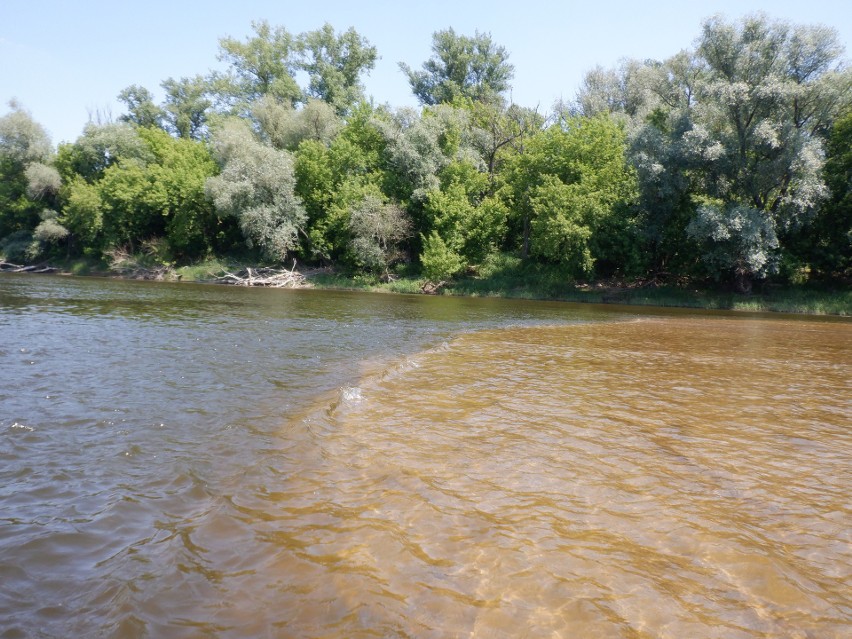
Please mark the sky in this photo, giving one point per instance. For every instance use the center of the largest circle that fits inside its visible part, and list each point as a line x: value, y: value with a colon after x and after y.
x: 65, y: 61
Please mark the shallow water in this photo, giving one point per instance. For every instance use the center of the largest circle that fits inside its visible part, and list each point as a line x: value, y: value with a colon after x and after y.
x: 184, y: 461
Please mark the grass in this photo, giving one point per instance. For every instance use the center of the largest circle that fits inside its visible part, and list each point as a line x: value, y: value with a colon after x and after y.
x: 204, y: 270
x: 509, y: 277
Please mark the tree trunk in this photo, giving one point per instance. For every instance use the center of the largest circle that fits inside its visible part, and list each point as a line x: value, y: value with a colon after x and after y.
x: 742, y: 283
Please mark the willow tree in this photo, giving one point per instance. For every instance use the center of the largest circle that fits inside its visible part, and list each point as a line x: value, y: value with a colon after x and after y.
x: 286, y: 127
x: 23, y: 143
x: 378, y: 228
x: 256, y: 185
x: 735, y: 140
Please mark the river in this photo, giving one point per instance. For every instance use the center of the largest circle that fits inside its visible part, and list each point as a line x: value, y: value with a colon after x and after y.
x: 183, y: 460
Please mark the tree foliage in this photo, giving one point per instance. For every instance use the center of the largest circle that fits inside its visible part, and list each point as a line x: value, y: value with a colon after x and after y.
x: 570, y: 181
x: 22, y: 139
x: 727, y: 141
x: 43, y: 181
x: 99, y: 147
x: 187, y: 106
x: 285, y: 127
x: 439, y: 261
x: 335, y: 64
x: 378, y: 228
x: 825, y: 245
x: 267, y: 64
x: 256, y: 185
x: 728, y: 161
x: 141, y: 108
x: 461, y: 67
x: 264, y: 64
x: 127, y: 184
x: 23, y: 144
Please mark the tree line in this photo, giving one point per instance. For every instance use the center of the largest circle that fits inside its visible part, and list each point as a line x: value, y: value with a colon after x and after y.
x: 729, y: 162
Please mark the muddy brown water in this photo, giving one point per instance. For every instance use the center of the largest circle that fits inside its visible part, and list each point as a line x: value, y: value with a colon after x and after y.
x: 191, y: 461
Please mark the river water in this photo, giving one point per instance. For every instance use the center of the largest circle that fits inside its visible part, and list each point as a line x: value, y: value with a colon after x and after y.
x: 199, y: 461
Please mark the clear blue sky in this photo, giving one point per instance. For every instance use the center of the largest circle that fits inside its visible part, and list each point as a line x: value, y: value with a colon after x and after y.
x: 64, y: 59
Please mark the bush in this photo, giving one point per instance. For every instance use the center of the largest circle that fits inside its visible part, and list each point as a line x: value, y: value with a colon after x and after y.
x: 17, y: 247
x: 439, y: 261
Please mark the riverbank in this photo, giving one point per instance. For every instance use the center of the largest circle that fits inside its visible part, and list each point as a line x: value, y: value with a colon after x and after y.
x: 505, y: 280
x: 800, y: 299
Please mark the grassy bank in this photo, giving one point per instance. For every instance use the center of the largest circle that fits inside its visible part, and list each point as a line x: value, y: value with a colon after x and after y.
x: 793, y: 299
x: 510, y: 278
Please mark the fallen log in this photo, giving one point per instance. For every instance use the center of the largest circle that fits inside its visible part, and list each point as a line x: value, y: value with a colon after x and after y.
x: 8, y: 267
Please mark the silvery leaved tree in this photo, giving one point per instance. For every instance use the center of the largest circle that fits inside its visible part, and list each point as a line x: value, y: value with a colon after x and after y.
x: 27, y: 178
x: 378, y: 229
x: 256, y: 184
x: 736, y: 136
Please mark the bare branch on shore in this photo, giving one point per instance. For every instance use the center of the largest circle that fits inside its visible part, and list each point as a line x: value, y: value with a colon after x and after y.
x: 263, y: 276
x: 432, y: 288
x: 8, y: 267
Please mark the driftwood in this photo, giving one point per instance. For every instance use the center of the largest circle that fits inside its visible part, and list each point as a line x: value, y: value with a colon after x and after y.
x: 126, y: 265
x: 7, y: 267
x: 134, y: 271
x: 432, y: 288
x: 269, y: 277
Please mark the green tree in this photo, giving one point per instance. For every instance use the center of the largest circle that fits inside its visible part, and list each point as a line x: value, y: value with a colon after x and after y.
x: 439, y: 261
x: 469, y: 222
x: 825, y: 245
x: 498, y: 129
x: 561, y: 227
x: 461, y: 67
x: 334, y: 177
x: 133, y: 189
x: 834, y: 226
x: 141, y: 109
x: 335, y: 64
x: 264, y: 64
x: 178, y: 176
x: 131, y: 202
x: 83, y: 215
x: 99, y: 147
x: 187, y: 106
x: 569, y: 188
